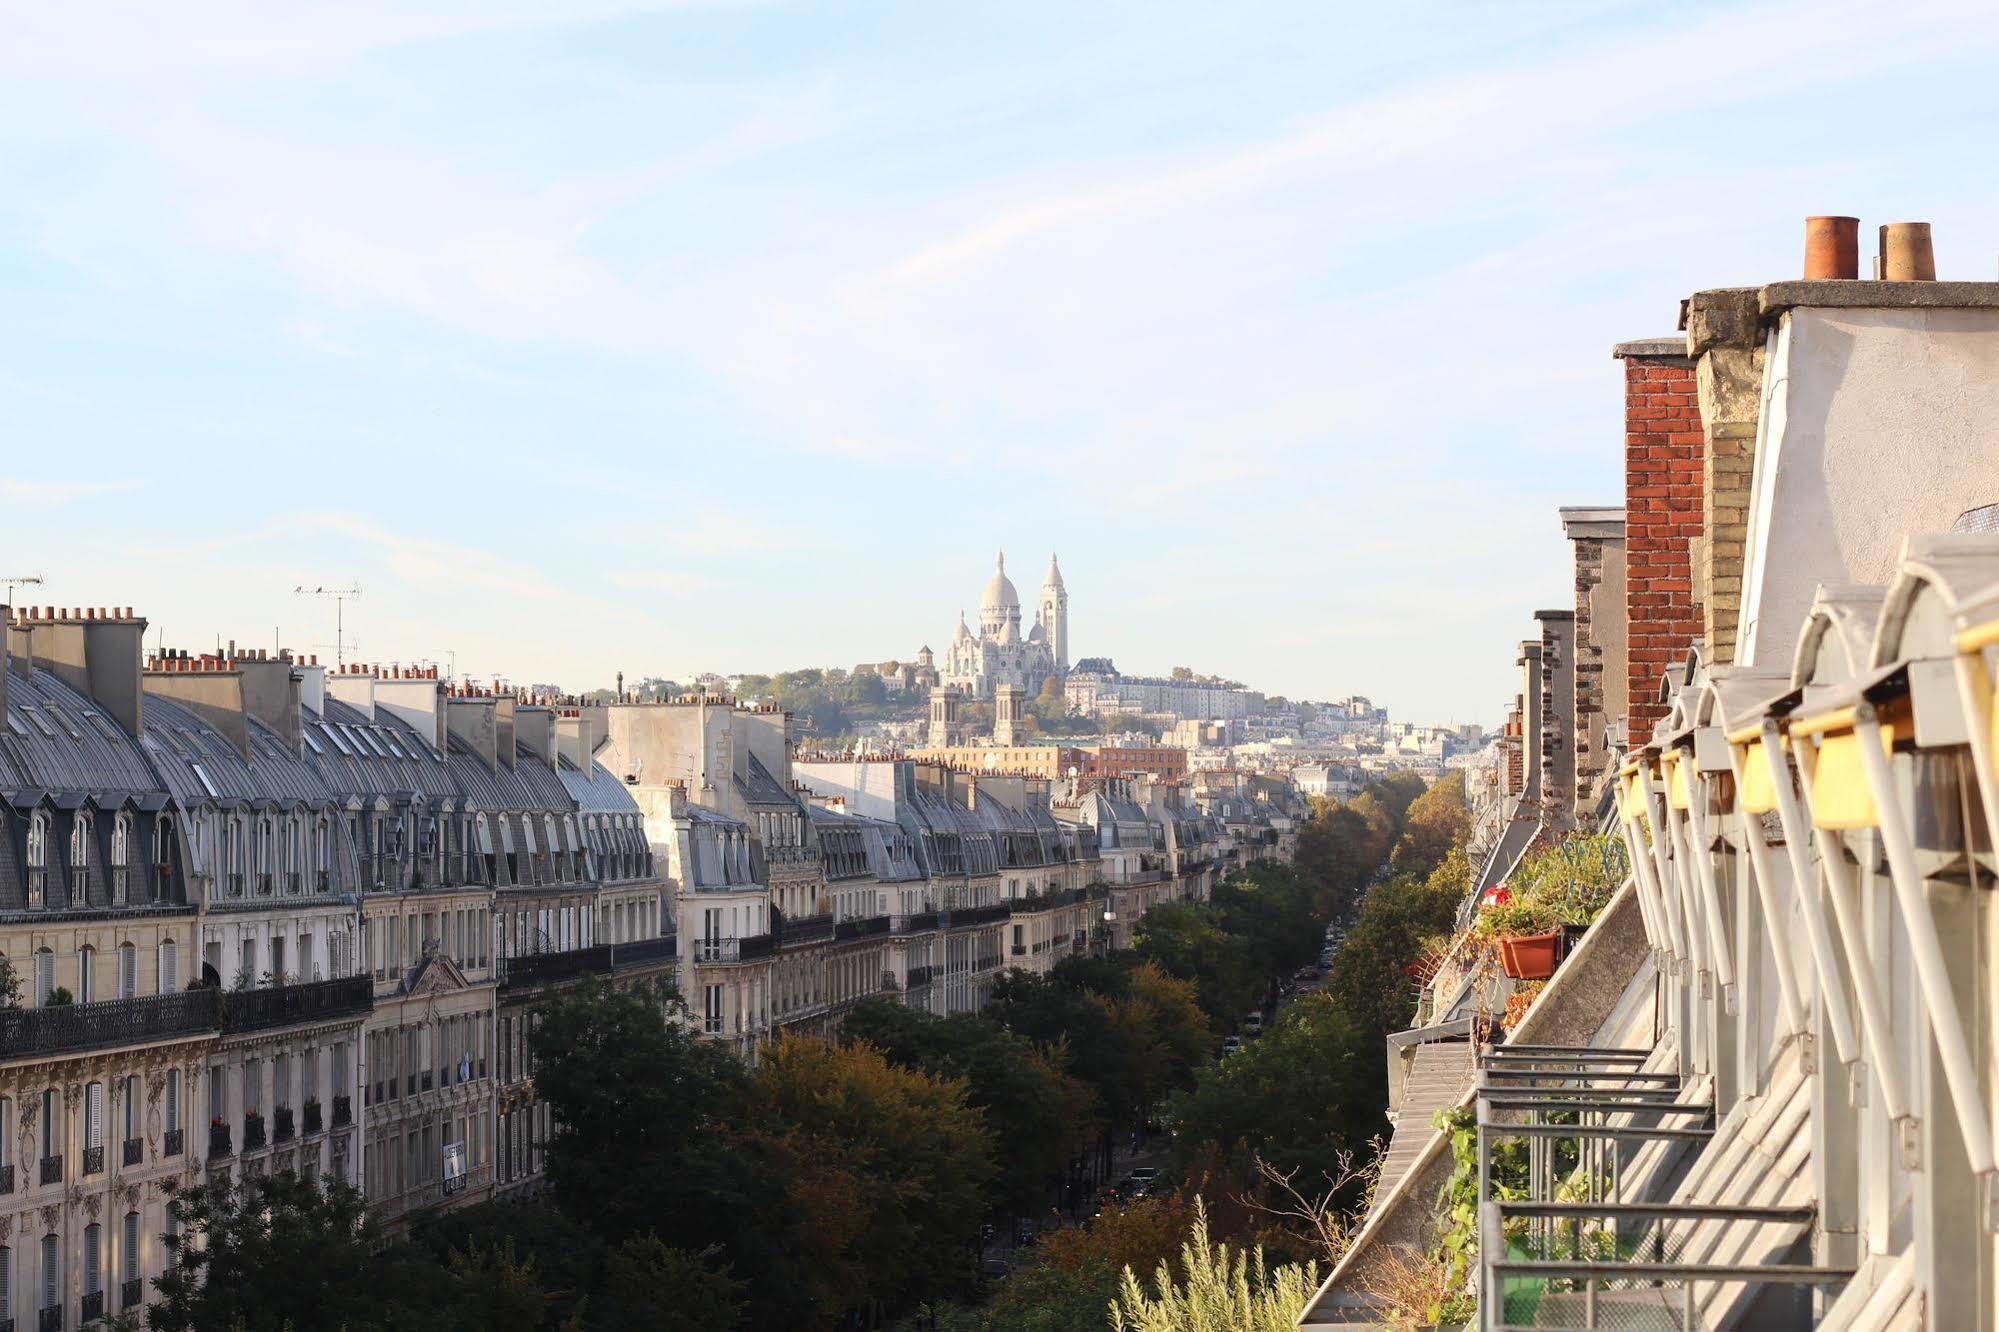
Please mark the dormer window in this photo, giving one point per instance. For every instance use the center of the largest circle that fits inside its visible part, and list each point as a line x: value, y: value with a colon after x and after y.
x: 121, y: 859
x: 267, y: 837
x: 163, y: 853
x: 38, y: 859
x: 79, y: 859
x: 232, y: 858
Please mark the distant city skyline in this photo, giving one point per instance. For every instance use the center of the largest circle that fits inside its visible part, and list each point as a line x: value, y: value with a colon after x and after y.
x: 660, y: 337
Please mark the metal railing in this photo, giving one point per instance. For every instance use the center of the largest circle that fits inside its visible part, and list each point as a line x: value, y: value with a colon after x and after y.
x: 916, y: 922
x: 797, y: 931
x: 284, y: 1126
x: 52, y: 1169
x: 313, y: 1120
x: 343, y: 1111
x: 977, y: 915
x: 1612, y: 1266
x: 63, y: 1028
x: 173, y: 1142
x: 93, y: 1160
x: 253, y: 1130
x: 135, y: 1151
x: 279, y: 1005
x: 862, y: 927
x: 218, y: 1141
x: 733, y: 950
x: 546, y: 968
x: 131, y: 1293
x: 640, y: 952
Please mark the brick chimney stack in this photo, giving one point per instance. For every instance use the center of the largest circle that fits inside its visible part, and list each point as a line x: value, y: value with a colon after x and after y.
x: 1663, y: 459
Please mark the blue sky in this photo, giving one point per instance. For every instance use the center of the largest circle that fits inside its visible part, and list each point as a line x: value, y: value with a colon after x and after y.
x: 664, y: 337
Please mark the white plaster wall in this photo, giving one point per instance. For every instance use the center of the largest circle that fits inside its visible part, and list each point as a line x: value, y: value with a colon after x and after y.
x: 1876, y: 424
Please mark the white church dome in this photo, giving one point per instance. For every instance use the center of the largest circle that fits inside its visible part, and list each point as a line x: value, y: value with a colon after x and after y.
x: 999, y: 590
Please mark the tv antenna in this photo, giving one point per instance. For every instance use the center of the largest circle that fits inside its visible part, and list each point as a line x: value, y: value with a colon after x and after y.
x: 340, y: 595
x: 22, y: 580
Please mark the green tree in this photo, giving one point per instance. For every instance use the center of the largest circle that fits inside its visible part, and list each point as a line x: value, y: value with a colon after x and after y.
x: 1370, y: 977
x: 902, y: 1156
x: 1191, y: 940
x: 649, y: 1285
x: 1298, y: 1098
x: 272, y: 1251
x: 1041, y: 1114
x: 649, y: 1137
x: 1437, y: 821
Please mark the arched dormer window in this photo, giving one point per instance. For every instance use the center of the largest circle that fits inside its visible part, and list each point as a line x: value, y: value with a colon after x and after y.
x: 288, y: 856
x: 79, y: 859
x: 266, y: 853
x: 38, y: 859
x: 553, y: 845
x: 232, y: 857
x: 322, y: 853
x: 163, y: 855
x: 121, y: 858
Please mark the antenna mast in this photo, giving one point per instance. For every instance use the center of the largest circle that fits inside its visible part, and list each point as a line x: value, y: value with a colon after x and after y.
x: 340, y: 597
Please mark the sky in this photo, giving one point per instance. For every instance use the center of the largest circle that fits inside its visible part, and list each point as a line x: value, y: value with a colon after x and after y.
x: 664, y: 337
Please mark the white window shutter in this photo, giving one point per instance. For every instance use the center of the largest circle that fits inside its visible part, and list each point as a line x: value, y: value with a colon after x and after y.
x: 173, y: 1099
x: 93, y: 1098
x: 169, y: 967
x: 131, y: 1246
x: 51, y: 1272
x: 93, y: 1258
x: 128, y: 971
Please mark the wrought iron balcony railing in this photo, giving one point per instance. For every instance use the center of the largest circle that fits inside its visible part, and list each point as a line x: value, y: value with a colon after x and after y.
x: 643, y: 952
x: 172, y: 1142
x: 281, y: 1005
x: 64, y: 1028
x: 52, y: 1169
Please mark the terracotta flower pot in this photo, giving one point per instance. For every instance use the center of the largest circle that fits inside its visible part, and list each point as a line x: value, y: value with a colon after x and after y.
x: 1530, y: 956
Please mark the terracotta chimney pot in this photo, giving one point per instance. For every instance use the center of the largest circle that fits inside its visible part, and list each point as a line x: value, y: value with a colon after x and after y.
x: 1906, y: 254
x: 1832, y: 248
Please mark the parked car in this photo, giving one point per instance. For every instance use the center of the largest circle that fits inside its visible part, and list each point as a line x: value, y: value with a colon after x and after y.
x: 1145, y: 1173
x: 1252, y: 1024
x: 1231, y: 1044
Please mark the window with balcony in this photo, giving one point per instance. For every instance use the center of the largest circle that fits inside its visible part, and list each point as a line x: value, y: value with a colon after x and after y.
x: 51, y: 1277
x: 93, y: 1129
x: 93, y: 1272
x: 129, y: 1102
x: 170, y: 1115
x: 132, y: 1290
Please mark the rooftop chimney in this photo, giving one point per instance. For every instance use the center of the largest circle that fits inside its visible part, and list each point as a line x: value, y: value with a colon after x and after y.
x: 95, y: 652
x: 1832, y: 247
x: 354, y: 686
x: 1906, y: 253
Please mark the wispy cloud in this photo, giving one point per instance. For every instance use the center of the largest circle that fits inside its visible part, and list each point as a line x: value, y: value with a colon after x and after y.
x: 50, y: 493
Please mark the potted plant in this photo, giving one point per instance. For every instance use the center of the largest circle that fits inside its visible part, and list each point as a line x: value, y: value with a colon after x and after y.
x: 1529, y: 938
